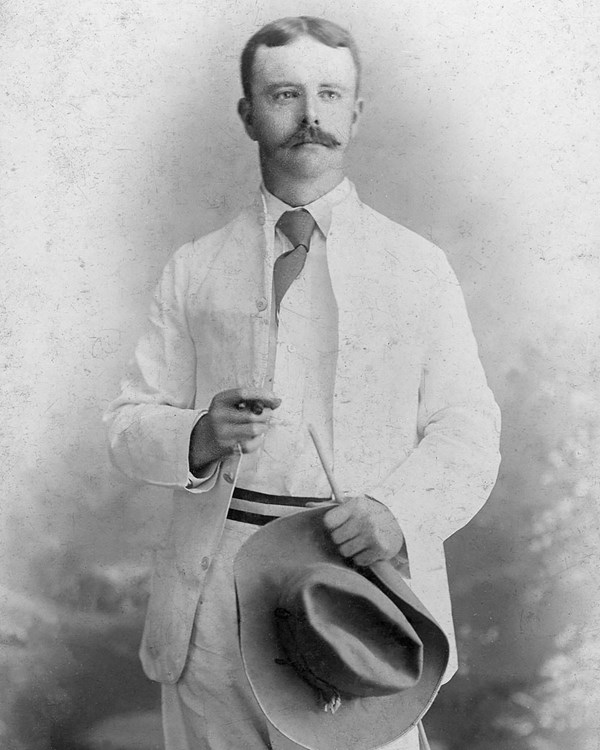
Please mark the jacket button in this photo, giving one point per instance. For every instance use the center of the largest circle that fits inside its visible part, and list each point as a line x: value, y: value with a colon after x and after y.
x: 205, y: 563
x: 228, y: 477
x: 261, y: 304
x: 262, y: 220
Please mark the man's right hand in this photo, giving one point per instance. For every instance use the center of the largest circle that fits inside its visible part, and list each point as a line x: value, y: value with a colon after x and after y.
x: 236, y: 417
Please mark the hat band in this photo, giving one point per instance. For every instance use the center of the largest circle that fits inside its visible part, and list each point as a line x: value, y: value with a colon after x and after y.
x: 259, y: 508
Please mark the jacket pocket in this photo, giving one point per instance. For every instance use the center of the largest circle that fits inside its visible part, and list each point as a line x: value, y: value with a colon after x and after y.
x: 169, y: 619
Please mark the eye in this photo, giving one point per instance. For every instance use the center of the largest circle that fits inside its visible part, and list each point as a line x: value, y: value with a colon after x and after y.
x: 329, y: 94
x: 284, y: 96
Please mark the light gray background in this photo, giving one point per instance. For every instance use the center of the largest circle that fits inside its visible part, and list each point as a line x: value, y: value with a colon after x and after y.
x: 120, y: 142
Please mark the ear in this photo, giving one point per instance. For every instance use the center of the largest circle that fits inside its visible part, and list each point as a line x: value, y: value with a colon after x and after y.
x: 358, y: 109
x: 245, y: 113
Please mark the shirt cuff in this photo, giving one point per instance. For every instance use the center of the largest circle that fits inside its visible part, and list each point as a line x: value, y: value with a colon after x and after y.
x: 206, y: 482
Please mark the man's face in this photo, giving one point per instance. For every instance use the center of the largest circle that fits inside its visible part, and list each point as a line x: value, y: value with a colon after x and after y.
x: 304, y: 110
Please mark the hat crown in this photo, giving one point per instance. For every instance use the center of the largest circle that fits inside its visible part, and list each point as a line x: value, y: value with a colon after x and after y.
x: 341, y: 632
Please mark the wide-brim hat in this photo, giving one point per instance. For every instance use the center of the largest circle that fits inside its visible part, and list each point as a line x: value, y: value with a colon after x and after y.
x: 291, y: 564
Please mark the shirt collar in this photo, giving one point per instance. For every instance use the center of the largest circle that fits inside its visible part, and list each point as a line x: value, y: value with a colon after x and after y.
x: 320, y: 209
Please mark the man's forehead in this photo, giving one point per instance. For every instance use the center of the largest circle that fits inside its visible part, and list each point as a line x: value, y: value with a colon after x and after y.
x: 303, y: 59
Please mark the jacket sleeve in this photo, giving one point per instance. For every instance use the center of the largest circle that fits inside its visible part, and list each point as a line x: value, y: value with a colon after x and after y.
x: 449, y: 475
x: 150, y: 423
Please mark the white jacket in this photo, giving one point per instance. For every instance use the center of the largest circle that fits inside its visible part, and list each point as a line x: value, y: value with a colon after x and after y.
x: 415, y: 425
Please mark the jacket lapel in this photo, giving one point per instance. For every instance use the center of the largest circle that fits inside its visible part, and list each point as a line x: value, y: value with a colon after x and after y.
x: 361, y: 397
x: 238, y: 304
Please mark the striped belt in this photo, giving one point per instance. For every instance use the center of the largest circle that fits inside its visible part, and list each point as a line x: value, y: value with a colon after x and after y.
x: 259, y: 508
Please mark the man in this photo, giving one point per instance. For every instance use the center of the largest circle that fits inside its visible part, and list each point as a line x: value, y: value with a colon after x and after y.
x: 309, y: 307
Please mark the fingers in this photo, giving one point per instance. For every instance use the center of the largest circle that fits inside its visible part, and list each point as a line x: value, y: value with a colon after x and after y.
x: 239, y: 416
x: 349, y: 530
x: 250, y: 397
x: 352, y: 547
x: 248, y: 412
x: 368, y: 557
x: 338, y: 515
x: 229, y: 433
x: 363, y: 530
x: 351, y: 508
x: 255, y: 407
x: 249, y: 446
x: 362, y: 549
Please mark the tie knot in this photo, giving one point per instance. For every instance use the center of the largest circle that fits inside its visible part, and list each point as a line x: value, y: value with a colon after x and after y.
x: 297, y: 226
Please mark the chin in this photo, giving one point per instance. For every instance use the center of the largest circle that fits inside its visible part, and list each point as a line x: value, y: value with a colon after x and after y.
x: 313, y: 161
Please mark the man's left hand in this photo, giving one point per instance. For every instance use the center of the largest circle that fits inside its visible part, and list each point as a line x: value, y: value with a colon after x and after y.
x: 364, y: 530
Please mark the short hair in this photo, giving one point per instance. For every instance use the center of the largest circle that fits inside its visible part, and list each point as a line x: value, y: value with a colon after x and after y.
x: 285, y: 30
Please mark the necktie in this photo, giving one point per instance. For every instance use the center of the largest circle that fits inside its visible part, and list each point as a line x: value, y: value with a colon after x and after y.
x: 297, y: 227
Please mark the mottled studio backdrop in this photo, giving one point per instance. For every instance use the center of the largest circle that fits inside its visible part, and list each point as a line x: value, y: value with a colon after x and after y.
x: 119, y: 143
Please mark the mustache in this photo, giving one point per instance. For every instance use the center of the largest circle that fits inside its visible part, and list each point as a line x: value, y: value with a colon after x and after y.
x: 311, y: 134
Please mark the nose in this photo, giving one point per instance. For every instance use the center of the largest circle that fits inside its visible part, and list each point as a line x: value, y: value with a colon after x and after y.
x: 310, y: 116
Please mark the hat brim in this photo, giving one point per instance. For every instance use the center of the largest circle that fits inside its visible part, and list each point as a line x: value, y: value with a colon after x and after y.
x: 265, y: 560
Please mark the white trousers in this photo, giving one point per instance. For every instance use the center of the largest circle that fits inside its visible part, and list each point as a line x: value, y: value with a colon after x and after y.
x: 212, y: 707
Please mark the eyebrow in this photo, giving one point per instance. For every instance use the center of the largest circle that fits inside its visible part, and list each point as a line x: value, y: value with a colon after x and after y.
x: 281, y: 85
x: 292, y: 84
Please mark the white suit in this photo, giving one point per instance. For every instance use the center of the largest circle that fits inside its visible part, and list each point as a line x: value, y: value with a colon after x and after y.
x: 415, y: 424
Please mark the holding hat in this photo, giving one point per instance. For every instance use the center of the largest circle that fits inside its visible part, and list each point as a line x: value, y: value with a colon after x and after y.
x: 337, y: 658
